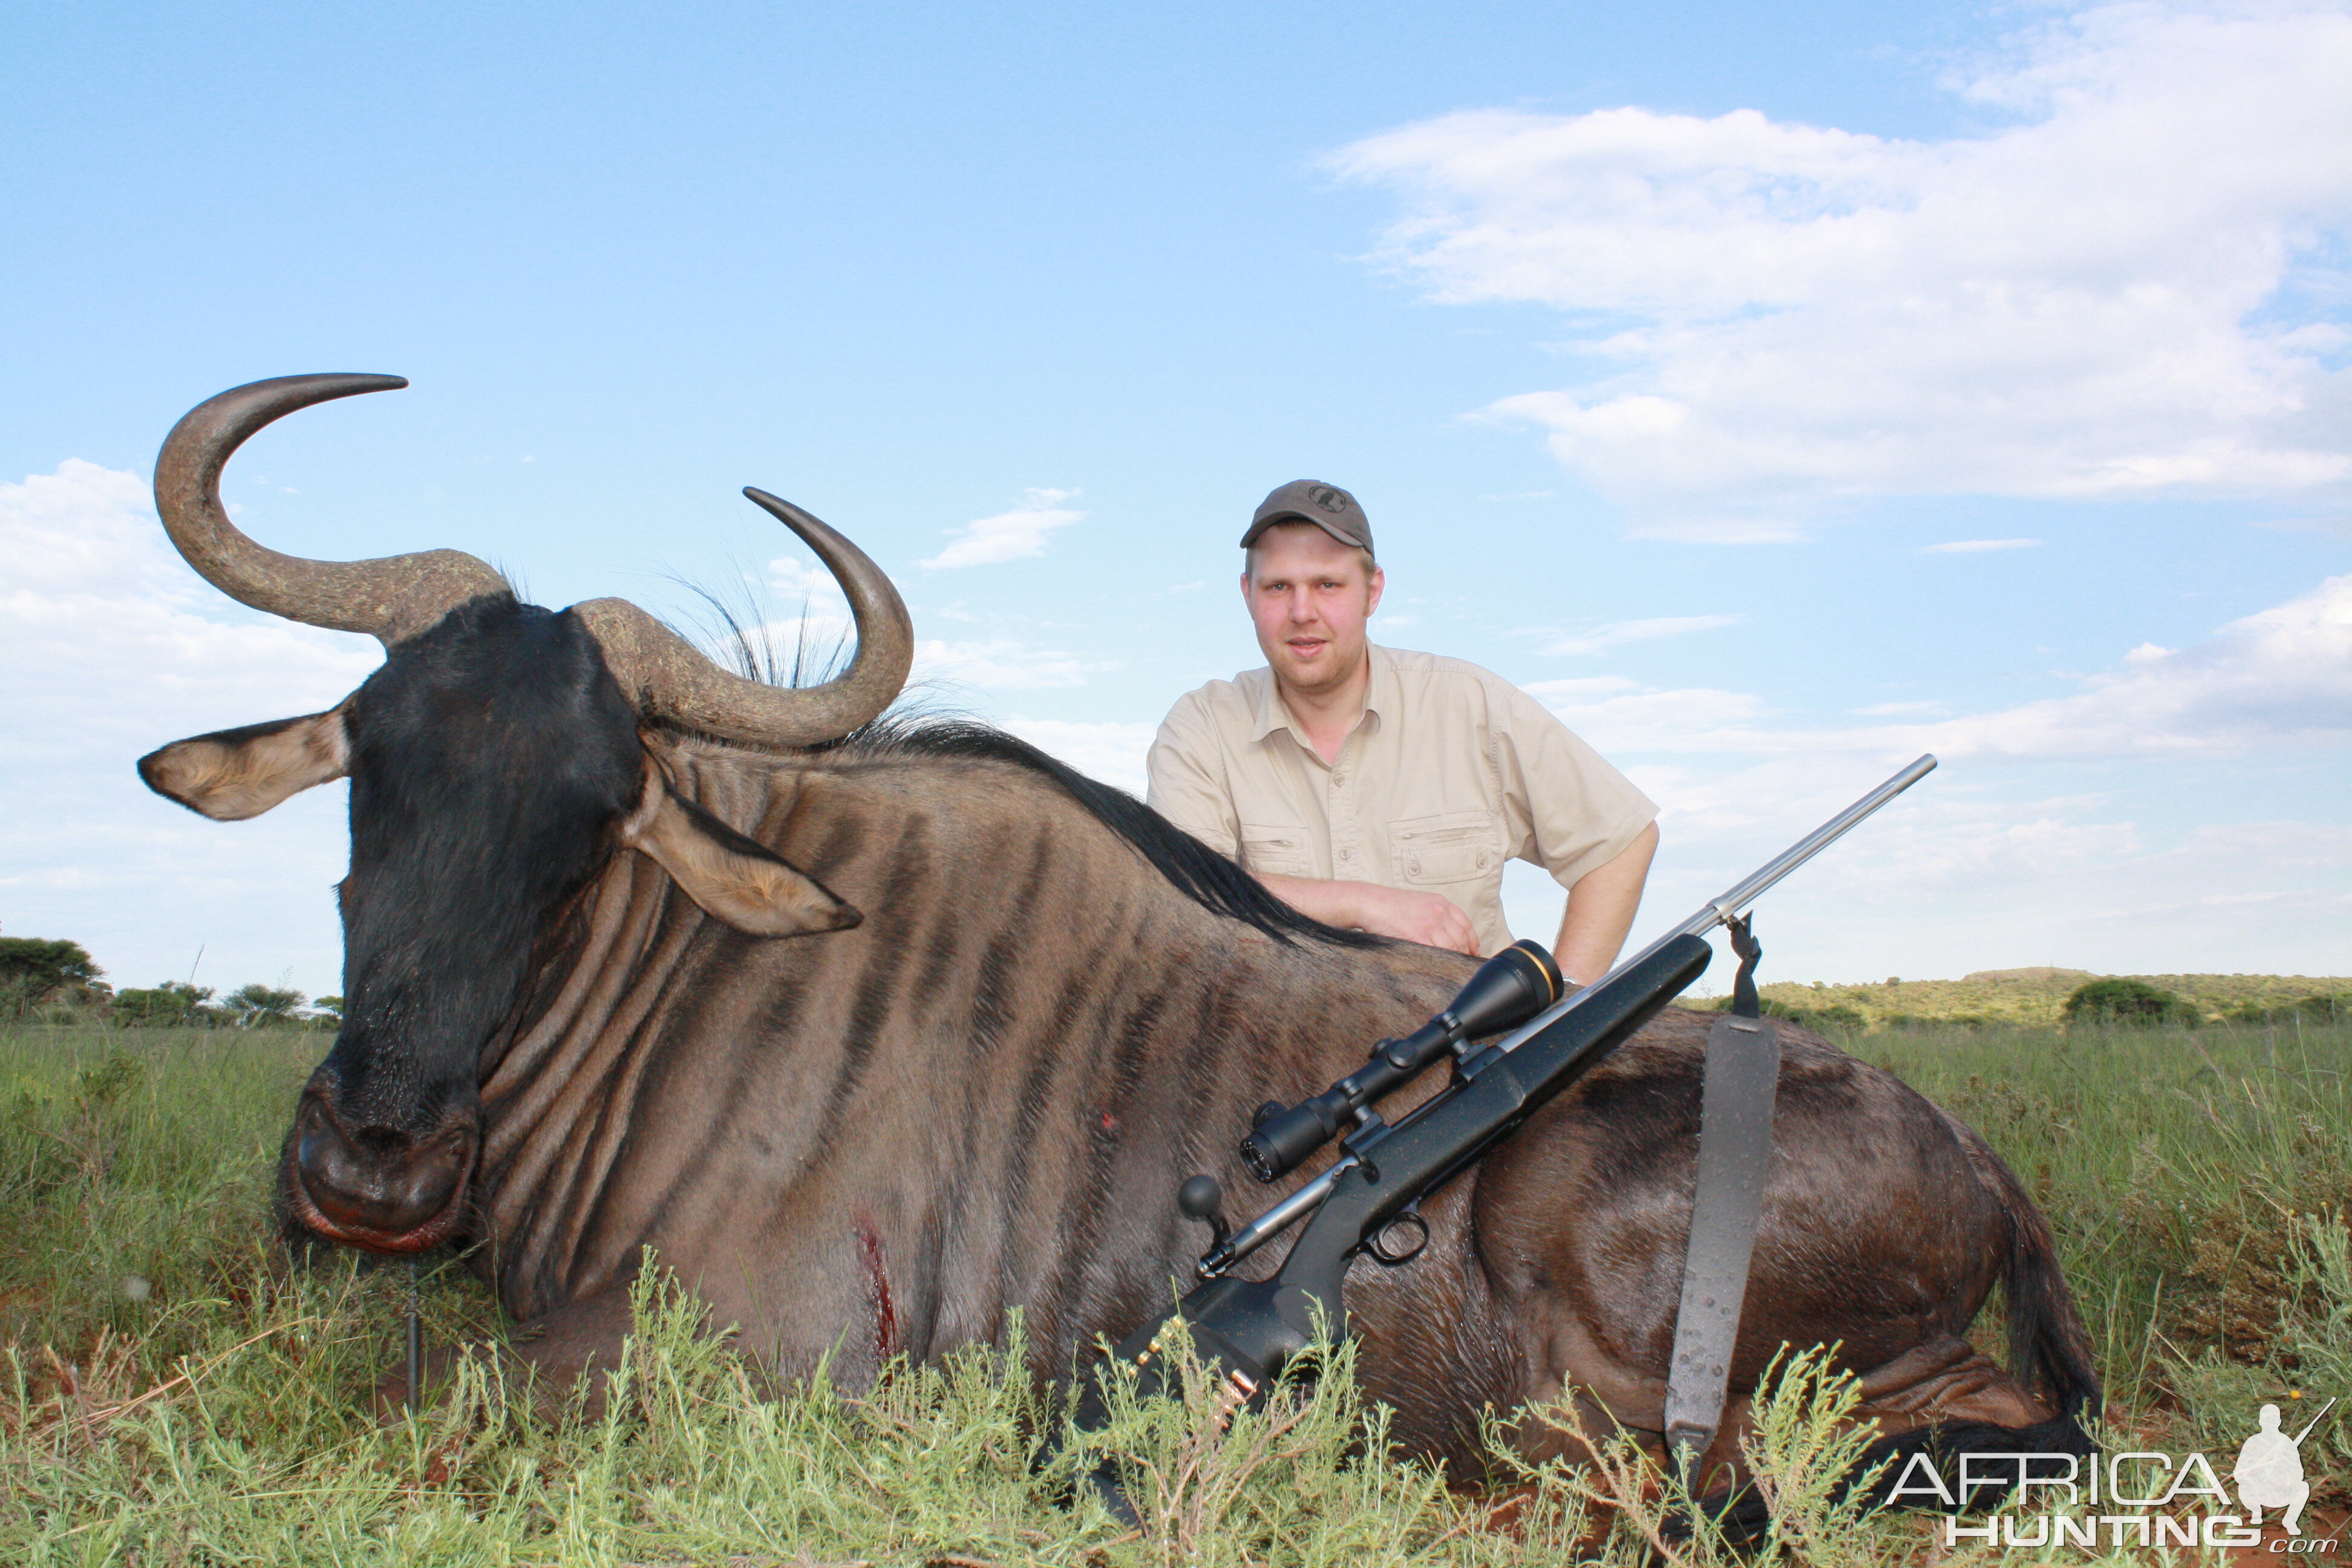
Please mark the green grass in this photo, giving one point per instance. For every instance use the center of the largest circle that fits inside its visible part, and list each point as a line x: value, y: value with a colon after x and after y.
x: 2191, y: 1176
x: 2194, y: 1180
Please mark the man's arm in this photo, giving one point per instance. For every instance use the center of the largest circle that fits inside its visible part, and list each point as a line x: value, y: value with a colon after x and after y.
x: 1600, y: 910
x: 1429, y: 918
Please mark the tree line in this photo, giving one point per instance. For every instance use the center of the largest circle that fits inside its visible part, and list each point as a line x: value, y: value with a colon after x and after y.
x: 58, y: 980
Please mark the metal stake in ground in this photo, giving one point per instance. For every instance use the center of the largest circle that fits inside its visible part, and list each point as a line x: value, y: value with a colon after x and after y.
x: 415, y: 1341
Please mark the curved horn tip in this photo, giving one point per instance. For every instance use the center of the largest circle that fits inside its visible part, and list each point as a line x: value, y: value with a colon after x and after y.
x: 775, y: 505
x: 324, y: 385
x: 220, y: 425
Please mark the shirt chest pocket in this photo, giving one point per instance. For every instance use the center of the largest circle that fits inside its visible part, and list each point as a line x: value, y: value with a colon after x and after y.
x: 1459, y: 847
x: 1279, y: 850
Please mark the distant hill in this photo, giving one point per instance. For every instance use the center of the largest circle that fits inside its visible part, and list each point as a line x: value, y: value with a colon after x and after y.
x: 2035, y: 996
x: 2039, y: 971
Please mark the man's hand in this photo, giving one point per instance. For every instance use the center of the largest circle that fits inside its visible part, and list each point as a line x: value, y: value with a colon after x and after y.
x: 1431, y: 918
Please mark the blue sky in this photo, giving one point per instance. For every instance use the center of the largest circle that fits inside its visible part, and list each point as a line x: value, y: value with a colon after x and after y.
x: 1670, y: 348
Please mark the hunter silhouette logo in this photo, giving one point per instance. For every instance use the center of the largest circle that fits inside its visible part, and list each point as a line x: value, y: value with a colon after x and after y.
x: 2269, y: 1471
x: 2137, y: 1498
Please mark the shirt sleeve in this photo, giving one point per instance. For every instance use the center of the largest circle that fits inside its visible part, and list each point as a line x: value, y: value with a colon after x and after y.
x: 1579, y: 811
x: 1187, y: 779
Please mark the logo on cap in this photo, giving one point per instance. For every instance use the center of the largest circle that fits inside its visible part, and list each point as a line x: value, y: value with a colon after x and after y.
x: 1330, y: 500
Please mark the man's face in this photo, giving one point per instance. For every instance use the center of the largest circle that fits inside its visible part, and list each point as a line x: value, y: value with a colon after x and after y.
x: 1309, y: 597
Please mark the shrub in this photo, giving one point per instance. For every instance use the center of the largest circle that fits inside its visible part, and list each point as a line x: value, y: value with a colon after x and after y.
x: 33, y: 970
x: 2311, y: 1009
x: 259, y: 1006
x: 2128, y: 1001
x: 173, y: 1004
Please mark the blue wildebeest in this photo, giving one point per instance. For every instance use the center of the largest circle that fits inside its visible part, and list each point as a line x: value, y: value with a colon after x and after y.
x: 874, y: 1033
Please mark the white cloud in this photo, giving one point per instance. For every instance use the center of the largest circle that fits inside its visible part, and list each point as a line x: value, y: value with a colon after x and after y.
x: 1617, y: 632
x: 805, y: 581
x: 1976, y: 546
x: 1955, y: 877
x: 2132, y: 285
x: 1009, y: 535
x: 1621, y: 716
x: 1000, y: 664
x: 114, y: 648
x: 1112, y: 753
x: 2280, y: 680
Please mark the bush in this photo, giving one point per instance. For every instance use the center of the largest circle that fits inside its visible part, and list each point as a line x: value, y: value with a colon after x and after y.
x: 259, y: 1006
x: 35, y: 969
x: 174, y: 1003
x: 2129, y: 1002
x: 2311, y: 1010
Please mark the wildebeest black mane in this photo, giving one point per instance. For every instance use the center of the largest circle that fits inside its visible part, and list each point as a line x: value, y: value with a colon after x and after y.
x: 1209, y: 880
x: 745, y: 638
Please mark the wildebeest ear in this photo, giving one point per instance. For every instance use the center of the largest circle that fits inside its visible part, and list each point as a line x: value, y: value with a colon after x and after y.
x: 735, y: 879
x: 231, y: 775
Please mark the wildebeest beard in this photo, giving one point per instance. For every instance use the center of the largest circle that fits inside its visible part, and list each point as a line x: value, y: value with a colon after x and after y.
x: 489, y: 758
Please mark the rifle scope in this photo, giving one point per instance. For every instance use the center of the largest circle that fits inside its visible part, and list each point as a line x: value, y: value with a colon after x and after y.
x: 1508, y: 989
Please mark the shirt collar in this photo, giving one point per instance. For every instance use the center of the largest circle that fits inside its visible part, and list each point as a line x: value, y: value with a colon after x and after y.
x: 1386, y: 692
x: 1382, y: 697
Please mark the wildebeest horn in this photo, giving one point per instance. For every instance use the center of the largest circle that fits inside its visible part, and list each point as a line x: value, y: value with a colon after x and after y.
x: 663, y: 674
x: 392, y: 597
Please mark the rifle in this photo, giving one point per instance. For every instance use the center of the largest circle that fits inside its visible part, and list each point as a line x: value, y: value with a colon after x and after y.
x: 1247, y: 1331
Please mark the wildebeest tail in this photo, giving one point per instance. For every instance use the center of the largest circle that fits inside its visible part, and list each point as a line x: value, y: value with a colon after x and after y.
x: 2048, y: 1345
x: 2049, y: 1351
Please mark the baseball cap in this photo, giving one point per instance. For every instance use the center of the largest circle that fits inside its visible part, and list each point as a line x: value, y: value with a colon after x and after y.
x: 1327, y: 507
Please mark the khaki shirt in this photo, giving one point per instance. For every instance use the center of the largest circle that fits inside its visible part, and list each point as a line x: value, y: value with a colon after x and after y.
x: 1452, y: 771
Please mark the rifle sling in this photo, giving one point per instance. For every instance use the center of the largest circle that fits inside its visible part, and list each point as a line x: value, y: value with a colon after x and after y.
x: 1735, y: 1157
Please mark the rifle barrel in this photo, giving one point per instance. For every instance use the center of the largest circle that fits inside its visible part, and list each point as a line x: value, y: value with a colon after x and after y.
x: 1746, y: 891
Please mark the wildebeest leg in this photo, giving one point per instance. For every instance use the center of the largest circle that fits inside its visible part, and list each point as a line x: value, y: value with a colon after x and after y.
x: 1432, y: 1344
x: 581, y: 1336
x: 549, y: 1355
x: 1946, y: 1381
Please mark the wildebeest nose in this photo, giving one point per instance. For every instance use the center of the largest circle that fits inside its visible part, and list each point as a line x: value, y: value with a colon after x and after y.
x: 380, y: 1182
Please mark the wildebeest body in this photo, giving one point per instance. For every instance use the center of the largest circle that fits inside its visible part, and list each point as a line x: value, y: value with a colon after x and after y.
x: 876, y: 1034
